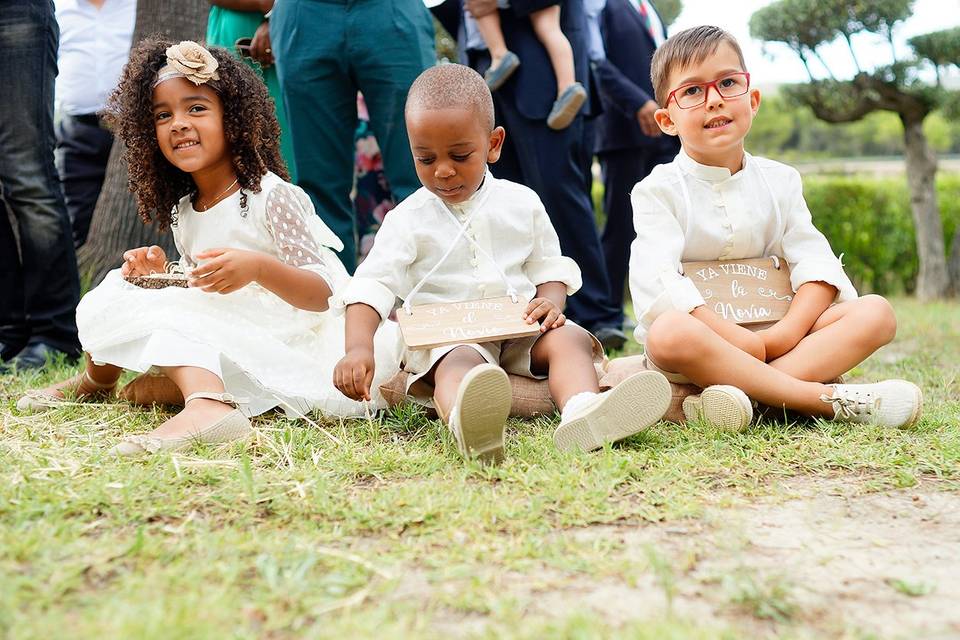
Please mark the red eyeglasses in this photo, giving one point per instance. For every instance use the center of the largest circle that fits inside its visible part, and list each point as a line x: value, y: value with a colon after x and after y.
x: 694, y: 94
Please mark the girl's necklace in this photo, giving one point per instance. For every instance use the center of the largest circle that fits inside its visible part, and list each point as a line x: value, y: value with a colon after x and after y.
x: 215, y: 200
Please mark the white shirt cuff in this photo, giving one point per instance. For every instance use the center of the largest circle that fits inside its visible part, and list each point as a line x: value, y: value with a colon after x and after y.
x: 823, y: 270
x: 555, y: 269
x: 366, y: 291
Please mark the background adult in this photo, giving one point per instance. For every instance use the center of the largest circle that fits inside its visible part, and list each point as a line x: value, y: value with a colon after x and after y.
x: 624, y: 36
x: 39, y: 287
x: 94, y: 45
x: 555, y: 164
x: 325, y: 52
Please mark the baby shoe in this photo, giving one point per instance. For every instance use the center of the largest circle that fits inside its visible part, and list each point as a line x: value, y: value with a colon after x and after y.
x: 567, y: 106
x: 891, y: 403
x: 480, y: 413
x: 721, y: 405
x: 230, y: 427
x: 496, y: 76
x: 590, y: 420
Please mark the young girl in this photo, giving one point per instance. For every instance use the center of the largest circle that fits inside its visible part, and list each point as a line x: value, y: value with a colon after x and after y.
x: 245, y: 335
x: 546, y: 24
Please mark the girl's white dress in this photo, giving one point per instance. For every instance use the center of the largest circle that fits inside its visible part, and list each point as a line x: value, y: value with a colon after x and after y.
x: 267, y: 352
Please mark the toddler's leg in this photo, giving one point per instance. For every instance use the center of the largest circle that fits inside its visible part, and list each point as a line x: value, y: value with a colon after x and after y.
x: 489, y: 28
x: 843, y: 337
x: 474, y: 398
x: 546, y: 24
x: 589, y: 419
x: 96, y: 382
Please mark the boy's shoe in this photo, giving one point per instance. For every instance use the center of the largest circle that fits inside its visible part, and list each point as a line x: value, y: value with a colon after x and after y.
x: 233, y: 426
x: 721, y: 405
x: 496, y: 76
x: 630, y: 407
x: 567, y: 106
x: 891, y: 403
x: 480, y: 413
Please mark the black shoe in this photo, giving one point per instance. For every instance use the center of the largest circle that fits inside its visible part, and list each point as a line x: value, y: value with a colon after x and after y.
x: 611, y: 338
x: 36, y: 355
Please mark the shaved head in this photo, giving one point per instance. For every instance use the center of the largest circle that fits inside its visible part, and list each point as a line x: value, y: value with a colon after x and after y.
x: 452, y: 86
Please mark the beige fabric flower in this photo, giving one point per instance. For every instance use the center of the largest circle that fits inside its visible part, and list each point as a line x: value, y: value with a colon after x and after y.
x: 196, y: 63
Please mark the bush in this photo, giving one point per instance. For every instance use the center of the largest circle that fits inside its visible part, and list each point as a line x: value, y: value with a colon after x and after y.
x: 869, y: 221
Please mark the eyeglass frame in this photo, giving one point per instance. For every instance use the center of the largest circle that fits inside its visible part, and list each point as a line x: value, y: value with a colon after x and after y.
x: 706, y: 89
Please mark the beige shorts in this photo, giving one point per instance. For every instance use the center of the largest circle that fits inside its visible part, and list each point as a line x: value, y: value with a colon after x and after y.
x: 513, y: 356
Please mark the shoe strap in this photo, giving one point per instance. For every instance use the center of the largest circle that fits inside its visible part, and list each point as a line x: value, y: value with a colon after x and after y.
x: 226, y: 398
x: 94, y: 383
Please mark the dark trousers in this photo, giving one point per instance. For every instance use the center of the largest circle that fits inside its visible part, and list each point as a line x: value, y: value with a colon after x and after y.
x: 622, y: 169
x: 83, y: 150
x: 39, y: 287
x: 556, y: 164
x: 328, y: 50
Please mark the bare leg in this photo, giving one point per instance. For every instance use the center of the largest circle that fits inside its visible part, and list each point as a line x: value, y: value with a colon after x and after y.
x: 546, y: 24
x: 104, y: 378
x: 843, y: 337
x: 566, y: 354
x: 680, y: 343
x: 489, y: 27
x: 447, y: 375
x: 197, y: 414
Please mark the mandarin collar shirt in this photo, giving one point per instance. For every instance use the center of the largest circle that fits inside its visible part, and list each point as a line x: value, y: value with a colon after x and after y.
x: 507, y: 234
x: 687, y: 211
x: 94, y: 46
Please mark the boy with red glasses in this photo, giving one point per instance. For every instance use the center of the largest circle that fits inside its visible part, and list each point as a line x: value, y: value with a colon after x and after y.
x: 717, y: 202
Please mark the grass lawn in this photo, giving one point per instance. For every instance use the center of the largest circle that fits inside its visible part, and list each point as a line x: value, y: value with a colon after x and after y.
x: 378, y: 529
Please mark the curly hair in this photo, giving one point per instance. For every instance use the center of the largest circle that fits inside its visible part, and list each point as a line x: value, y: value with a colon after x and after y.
x: 249, y: 125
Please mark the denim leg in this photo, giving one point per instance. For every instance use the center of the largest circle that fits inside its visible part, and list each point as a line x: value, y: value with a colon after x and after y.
x: 31, y: 187
x: 83, y: 151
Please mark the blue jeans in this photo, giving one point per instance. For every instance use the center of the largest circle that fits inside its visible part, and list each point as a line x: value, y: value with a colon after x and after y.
x: 39, y: 285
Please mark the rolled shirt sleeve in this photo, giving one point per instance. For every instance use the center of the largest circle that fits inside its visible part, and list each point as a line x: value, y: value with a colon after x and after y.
x: 656, y: 283
x: 807, y: 250
x: 545, y: 263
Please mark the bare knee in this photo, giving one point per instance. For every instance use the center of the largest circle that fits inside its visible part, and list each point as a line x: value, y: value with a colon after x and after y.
x: 878, y: 322
x: 673, y: 339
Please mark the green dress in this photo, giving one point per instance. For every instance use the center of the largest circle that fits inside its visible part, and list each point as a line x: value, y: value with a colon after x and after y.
x: 224, y: 28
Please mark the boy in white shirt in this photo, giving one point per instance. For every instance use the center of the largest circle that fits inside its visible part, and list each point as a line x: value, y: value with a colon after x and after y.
x: 468, y: 235
x: 717, y: 202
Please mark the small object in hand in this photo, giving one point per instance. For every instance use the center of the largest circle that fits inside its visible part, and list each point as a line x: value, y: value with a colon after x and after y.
x: 173, y: 276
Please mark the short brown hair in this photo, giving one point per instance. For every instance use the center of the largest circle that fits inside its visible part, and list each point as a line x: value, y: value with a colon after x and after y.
x: 690, y: 46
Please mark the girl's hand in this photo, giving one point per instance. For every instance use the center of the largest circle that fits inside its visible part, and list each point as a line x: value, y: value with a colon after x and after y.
x: 546, y: 312
x: 226, y: 270
x: 144, y: 261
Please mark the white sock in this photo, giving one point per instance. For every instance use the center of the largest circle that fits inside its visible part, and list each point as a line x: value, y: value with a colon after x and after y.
x: 577, y: 402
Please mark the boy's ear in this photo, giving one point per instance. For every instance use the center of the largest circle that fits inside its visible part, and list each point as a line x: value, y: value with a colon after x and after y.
x: 754, y: 100
x: 665, y: 122
x: 497, y: 136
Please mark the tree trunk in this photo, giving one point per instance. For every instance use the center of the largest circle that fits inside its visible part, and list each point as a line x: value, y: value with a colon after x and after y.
x: 115, y: 226
x: 932, y: 281
x: 954, y: 264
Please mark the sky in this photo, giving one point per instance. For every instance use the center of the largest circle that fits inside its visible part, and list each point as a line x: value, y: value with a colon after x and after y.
x: 781, y: 65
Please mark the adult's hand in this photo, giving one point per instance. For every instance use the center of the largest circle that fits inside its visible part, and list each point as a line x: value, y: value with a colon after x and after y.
x: 260, y: 48
x: 480, y: 8
x: 648, y: 124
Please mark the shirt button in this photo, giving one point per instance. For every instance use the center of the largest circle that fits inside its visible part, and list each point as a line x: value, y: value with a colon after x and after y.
x: 474, y: 262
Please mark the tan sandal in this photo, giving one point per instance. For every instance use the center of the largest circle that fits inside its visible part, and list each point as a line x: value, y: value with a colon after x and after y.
x: 40, y: 400
x: 233, y: 426
x: 147, y: 390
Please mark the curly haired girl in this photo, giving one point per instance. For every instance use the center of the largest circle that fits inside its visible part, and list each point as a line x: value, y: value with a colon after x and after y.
x: 236, y: 324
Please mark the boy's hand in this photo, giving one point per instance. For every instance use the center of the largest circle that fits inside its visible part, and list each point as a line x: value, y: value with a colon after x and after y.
x: 354, y: 374
x: 226, y: 270
x: 546, y: 312
x: 144, y: 261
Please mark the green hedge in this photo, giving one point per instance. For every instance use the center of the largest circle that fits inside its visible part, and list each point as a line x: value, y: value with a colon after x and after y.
x: 869, y: 221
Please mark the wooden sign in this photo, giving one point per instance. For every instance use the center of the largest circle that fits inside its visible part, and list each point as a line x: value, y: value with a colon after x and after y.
x: 749, y: 291
x: 484, y: 320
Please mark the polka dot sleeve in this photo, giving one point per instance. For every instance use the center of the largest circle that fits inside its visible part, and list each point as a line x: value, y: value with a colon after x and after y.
x: 291, y: 232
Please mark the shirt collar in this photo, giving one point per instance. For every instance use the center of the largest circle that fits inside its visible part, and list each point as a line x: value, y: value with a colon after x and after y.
x: 464, y: 208
x: 708, y: 172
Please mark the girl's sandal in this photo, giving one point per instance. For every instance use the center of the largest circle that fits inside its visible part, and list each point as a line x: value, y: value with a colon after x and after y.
x: 45, y: 399
x: 233, y: 426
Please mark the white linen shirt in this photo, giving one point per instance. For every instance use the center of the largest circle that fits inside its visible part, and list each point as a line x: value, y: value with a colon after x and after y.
x: 686, y: 211
x: 510, y: 225
x: 94, y: 46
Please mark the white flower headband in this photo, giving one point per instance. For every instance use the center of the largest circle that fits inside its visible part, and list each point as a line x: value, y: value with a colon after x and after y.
x: 191, y: 61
